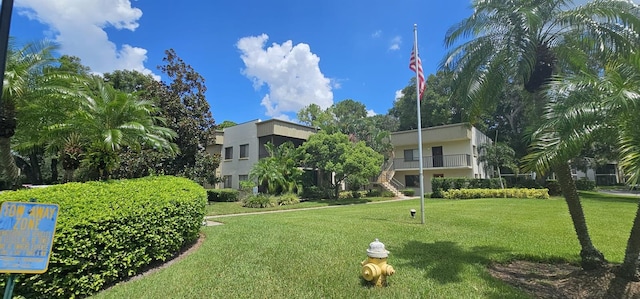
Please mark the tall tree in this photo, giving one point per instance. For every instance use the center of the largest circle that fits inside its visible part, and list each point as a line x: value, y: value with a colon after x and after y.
x: 526, y: 42
x: 184, y: 106
x: 437, y: 106
x: 128, y: 81
x: 593, y: 106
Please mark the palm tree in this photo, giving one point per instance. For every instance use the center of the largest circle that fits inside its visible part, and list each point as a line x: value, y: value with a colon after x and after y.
x: 593, y: 106
x: 527, y: 42
x: 108, y: 120
x: 24, y: 77
x: 279, y: 172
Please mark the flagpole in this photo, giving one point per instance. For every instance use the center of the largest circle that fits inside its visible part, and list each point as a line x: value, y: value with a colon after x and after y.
x: 415, y: 46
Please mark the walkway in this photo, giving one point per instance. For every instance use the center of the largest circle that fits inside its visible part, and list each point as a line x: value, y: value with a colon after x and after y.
x: 209, y: 222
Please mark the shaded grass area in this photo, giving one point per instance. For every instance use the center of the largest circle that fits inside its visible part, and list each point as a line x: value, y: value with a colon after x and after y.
x: 317, y: 253
x: 225, y: 208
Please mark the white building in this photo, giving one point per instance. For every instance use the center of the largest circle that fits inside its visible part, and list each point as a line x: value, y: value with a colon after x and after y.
x: 448, y: 151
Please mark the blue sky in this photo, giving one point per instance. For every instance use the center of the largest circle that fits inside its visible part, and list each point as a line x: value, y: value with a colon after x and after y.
x: 260, y: 59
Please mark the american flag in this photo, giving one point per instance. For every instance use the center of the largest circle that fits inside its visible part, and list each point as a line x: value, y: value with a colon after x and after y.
x: 412, y: 66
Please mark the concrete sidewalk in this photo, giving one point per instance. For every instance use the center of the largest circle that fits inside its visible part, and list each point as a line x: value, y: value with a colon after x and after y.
x: 306, y: 209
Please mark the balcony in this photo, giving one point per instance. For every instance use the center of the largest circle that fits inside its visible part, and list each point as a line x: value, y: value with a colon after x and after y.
x: 431, y: 162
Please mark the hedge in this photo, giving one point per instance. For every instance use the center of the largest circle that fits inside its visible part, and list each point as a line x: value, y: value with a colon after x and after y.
x: 109, y: 231
x: 496, y: 193
x: 440, y: 185
x: 223, y: 195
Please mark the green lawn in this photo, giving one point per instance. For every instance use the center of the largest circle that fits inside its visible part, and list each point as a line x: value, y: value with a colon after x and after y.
x: 317, y: 253
x: 224, y: 208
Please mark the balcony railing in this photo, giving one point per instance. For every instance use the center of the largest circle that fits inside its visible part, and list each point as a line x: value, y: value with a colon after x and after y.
x: 444, y: 161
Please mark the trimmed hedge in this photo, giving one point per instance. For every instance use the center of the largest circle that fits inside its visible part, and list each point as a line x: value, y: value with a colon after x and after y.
x: 495, y: 193
x: 223, y: 195
x: 109, y: 231
x: 585, y: 185
x: 408, y: 192
x: 440, y: 185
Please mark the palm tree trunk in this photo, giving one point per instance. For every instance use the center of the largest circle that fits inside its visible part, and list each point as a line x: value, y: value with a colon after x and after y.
x: 11, y: 171
x: 592, y: 258
x: 34, y: 159
x: 629, y: 268
x: 54, y: 170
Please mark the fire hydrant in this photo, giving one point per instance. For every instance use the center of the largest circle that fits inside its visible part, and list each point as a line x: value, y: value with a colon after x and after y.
x: 375, y: 268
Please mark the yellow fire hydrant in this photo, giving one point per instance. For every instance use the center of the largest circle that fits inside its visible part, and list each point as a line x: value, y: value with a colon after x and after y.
x: 375, y: 268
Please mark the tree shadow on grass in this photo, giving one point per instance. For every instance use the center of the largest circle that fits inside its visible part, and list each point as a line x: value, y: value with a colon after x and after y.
x: 444, y: 261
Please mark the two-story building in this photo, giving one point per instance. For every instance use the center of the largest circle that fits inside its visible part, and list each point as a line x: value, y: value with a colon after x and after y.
x: 242, y: 145
x: 448, y: 151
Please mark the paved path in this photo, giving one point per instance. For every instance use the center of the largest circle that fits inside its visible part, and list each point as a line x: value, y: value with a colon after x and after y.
x: 303, y: 209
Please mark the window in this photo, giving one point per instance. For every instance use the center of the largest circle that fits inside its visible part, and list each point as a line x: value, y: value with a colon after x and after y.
x: 228, y: 153
x: 412, y: 180
x: 411, y: 155
x: 244, y: 151
x: 243, y: 177
x: 475, y: 151
x: 227, y: 181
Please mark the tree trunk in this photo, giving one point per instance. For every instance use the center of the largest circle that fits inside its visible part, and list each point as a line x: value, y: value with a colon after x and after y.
x: 629, y: 268
x: 11, y: 171
x: 34, y: 158
x: 592, y: 258
x: 54, y: 170
x: 68, y: 175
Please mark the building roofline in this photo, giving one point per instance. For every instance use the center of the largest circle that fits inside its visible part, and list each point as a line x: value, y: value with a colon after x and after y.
x: 435, y: 128
x: 286, y: 122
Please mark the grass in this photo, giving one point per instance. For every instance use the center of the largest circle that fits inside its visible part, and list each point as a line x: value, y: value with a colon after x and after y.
x: 225, y: 208
x: 317, y: 253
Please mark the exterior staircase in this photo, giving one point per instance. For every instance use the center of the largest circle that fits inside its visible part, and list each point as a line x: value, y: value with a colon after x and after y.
x: 386, y: 180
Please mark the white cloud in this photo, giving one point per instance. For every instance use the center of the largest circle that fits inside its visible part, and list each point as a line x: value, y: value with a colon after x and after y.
x: 78, y: 26
x: 370, y: 112
x: 395, y: 43
x: 376, y: 34
x: 291, y: 73
x: 399, y: 95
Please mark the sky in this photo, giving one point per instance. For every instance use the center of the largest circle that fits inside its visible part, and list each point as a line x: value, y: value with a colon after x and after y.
x: 260, y: 59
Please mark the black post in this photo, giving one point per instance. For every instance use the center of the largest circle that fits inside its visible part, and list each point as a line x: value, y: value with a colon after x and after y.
x: 5, y: 23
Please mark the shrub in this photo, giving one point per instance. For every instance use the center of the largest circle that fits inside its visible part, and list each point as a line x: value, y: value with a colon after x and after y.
x: 585, y: 185
x: 288, y: 199
x: 496, y: 193
x: 108, y: 231
x: 387, y: 193
x: 260, y: 201
x: 553, y: 187
x: 315, y: 192
x: 408, y: 192
x: 223, y: 195
x: 373, y: 193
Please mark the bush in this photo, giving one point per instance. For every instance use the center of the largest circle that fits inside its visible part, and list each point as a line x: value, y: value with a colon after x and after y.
x: 495, y: 193
x: 553, y: 187
x: 373, y: 193
x: 585, y: 185
x: 288, y: 199
x: 260, y: 201
x: 439, y: 185
x: 315, y: 192
x: 408, y: 192
x: 387, y: 193
x: 109, y: 231
x: 223, y: 195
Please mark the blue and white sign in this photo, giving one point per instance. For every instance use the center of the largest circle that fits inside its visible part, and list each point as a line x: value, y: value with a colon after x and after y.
x: 26, y: 236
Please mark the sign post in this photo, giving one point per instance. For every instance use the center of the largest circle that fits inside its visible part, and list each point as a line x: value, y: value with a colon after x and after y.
x: 26, y: 238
